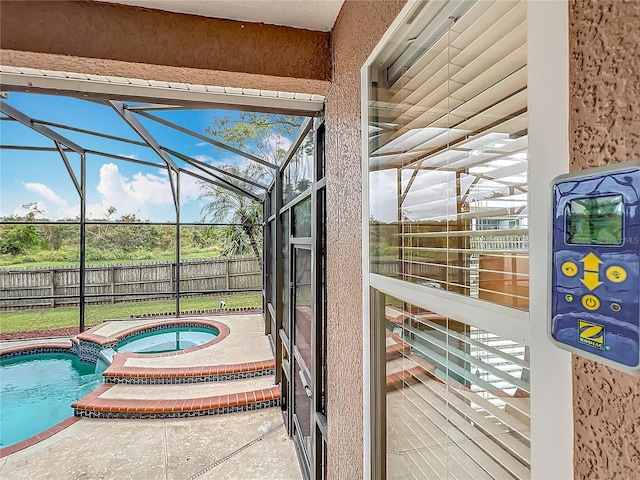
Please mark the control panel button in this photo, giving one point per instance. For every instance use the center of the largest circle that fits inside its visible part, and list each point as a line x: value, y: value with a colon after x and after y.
x: 616, y: 307
x: 570, y: 269
x: 616, y: 274
x: 590, y: 302
x: 568, y: 297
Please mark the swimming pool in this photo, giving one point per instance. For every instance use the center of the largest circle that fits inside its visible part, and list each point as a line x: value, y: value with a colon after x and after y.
x: 37, y: 393
x: 167, y: 340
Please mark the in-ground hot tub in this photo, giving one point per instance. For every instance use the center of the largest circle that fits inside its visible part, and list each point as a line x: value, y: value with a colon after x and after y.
x: 169, y: 340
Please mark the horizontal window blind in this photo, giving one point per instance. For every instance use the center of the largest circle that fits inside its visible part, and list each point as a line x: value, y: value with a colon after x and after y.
x: 448, y: 160
x: 457, y: 399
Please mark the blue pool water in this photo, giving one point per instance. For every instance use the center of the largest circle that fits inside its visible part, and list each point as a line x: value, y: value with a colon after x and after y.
x: 170, y: 340
x: 37, y: 392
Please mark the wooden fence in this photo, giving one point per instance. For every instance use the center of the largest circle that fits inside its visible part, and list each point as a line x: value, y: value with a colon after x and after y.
x: 51, y: 287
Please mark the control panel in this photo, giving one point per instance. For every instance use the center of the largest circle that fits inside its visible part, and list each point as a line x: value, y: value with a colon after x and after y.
x: 595, y: 265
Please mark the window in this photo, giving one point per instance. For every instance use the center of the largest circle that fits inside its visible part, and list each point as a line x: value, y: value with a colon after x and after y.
x: 448, y: 156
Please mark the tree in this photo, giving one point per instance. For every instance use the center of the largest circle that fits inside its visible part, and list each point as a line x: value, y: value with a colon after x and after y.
x: 266, y: 136
x: 21, y: 239
x: 242, y: 211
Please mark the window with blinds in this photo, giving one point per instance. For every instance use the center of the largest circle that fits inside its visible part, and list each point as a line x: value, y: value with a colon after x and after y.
x: 457, y: 399
x: 448, y: 151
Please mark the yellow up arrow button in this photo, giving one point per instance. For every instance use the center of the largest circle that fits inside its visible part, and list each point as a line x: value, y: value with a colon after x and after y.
x: 591, y: 262
x: 590, y: 280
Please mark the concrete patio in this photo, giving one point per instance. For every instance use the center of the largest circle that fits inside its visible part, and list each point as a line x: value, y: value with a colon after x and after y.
x: 242, y: 445
x: 162, y: 449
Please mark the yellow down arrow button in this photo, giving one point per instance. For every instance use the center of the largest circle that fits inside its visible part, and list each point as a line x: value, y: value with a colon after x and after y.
x: 591, y: 280
x: 591, y: 262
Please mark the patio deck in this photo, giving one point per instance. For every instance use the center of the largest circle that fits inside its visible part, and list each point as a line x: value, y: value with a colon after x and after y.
x: 152, y: 392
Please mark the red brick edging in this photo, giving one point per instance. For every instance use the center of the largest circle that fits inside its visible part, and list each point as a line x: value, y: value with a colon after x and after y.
x: 93, y: 403
x: 117, y: 370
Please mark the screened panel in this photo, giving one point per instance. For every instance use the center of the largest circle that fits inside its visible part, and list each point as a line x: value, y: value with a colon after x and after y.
x: 448, y: 158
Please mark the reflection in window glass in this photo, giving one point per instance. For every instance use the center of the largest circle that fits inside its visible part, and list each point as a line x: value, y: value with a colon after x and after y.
x: 302, y: 219
x: 298, y: 175
x: 457, y: 398
x: 448, y: 158
x: 286, y: 274
x: 302, y: 409
x: 302, y: 307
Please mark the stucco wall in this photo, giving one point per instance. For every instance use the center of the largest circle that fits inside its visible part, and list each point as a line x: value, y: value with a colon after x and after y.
x: 130, y: 34
x: 358, y: 29
x: 604, y: 129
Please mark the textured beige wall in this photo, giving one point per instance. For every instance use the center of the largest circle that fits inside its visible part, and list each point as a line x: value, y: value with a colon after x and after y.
x: 358, y: 29
x: 115, y: 32
x: 605, y: 129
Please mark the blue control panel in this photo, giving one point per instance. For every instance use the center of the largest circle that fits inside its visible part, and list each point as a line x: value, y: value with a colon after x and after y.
x: 595, y: 265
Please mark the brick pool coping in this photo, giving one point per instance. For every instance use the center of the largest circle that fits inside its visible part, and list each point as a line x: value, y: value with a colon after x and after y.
x: 119, y: 373
x: 16, y: 447
x: 93, y: 406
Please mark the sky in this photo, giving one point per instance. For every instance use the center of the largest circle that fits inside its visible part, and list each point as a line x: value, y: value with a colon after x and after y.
x: 41, y: 178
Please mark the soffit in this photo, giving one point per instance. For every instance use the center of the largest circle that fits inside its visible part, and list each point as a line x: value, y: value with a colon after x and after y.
x: 69, y: 83
x: 308, y: 14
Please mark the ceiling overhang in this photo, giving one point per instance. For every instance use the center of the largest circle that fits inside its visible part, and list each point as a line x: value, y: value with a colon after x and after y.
x: 307, y: 14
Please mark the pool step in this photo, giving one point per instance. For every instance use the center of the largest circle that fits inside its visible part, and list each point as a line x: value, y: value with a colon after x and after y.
x: 178, y: 401
x: 119, y: 373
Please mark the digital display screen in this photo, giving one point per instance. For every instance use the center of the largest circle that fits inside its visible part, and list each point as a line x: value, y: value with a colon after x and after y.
x: 595, y: 221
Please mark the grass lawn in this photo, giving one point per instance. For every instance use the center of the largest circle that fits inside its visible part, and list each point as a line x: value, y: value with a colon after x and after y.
x: 46, y: 318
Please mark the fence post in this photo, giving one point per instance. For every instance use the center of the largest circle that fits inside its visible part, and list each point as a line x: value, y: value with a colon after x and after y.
x: 227, y: 273
x: 53, y: 288
x: 112, y: 274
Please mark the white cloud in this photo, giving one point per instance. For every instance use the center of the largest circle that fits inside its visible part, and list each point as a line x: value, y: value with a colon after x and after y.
x: 129, y: 195
x: 54, y: 206
x: 46, y: 192
x: 204, y: 158
x: 202, y: 144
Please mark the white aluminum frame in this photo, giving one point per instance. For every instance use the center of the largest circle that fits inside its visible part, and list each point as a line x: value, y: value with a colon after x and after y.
x: 548, y: 105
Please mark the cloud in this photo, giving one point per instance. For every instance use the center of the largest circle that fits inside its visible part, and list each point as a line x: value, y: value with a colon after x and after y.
x: 54, y: 206
x: 46, y: 192
x: 204, y: 158
x: 129, y: 195
x: 201, y: 144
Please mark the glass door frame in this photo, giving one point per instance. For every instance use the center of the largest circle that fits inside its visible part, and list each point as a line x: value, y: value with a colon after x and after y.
x: 279, y: 293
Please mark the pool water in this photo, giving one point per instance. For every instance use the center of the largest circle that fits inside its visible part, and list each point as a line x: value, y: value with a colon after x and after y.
x: 170, y: 340
x: 37, y: 392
